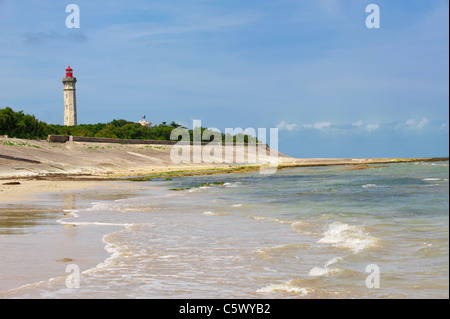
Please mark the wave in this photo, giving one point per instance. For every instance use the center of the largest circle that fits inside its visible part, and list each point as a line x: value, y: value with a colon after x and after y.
x: 326, y: 270
x: 197, y: 189
x: 210, y: 213
x: 346, y: 236
x: 288, y: 286
x: 435, y: 179
x: 273, y: 219
x: 441, y: 164
x: 94, y: 224
x: 72, y: 215
x: 116, y: 252
x: 230, y: 184
x: 298, y: 226
x: 370, y: 186
x: 259, y: 217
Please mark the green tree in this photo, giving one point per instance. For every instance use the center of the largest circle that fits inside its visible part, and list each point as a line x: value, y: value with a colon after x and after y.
x: 20, y: 125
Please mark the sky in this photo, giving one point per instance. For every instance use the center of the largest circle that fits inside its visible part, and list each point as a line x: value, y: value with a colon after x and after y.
x: 311, y: 68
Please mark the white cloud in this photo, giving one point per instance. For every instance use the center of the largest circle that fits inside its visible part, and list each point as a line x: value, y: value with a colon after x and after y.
x: 413, y: 124
x: 423, y: 122
x: 294, y: 127
x: 322, y: 125
x: 361, y: 126
x: 372, y: 127
x: 410, y: 122
x: 283, y: 126
x: 358, y: 124
x: 368, y: 127
x: 318, y: 125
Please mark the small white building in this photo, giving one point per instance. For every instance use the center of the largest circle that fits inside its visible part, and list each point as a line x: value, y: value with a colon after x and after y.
x: 145, y: 123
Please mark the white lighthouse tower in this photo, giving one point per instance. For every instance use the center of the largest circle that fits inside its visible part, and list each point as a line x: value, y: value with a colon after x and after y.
x: 70, y: 100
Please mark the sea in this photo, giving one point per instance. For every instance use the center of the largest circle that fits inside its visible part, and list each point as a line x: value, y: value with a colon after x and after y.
x: 331, y: 232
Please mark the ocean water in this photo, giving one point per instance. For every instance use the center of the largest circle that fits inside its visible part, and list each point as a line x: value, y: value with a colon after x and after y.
x: 323, y: 232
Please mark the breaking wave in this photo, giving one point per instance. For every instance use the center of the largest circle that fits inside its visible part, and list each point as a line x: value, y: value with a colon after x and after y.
x: 354, y: 238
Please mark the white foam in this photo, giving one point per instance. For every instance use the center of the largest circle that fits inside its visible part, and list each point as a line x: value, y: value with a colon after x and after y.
x: 370, y: 186
x: 68, y: 214
x: 276, y: 220
x: 210, y: 213
x: 281, y: 221
x: 298, y: 225
x: 332, y: 261
x: 197, y: 189
x: 71, y: 212
x: 259, y: 217
x: 346, y: 236
x: 432, y: 164
x: 285, y: 287
x: 325, y: 270
x: 319, y: 271
x: 235, y: 184
x: 94, y: 224
x: 168, y: 257
x: 115, y: 253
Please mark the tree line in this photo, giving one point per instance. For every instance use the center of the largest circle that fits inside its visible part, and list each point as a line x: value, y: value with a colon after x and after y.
x: 20, y: 125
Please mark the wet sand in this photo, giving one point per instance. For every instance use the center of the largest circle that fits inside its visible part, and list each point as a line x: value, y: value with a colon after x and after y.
x: 36, y: 245
x: 19, y: 190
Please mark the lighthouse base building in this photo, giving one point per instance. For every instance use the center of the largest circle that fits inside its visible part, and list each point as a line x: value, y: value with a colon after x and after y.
x: 70, y: 100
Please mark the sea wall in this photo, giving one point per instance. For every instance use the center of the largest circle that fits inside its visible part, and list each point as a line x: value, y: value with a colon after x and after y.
x: 69, y: 138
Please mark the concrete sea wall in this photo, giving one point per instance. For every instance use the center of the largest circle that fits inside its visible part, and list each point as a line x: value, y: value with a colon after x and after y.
x: 69, y: 138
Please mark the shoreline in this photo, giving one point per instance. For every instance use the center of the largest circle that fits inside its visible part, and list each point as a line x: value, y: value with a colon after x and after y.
x: 15, y: 186
x: 44, y: 168
x: 43, y: 160
x: 22, y: 188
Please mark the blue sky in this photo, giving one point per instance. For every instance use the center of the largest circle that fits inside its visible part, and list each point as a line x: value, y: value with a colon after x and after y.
x: 312, y: 68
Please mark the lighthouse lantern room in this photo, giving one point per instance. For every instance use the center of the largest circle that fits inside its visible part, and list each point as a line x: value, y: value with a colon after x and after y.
x: 69, y: 72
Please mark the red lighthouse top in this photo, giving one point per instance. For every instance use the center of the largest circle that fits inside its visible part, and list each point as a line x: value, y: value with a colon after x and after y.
x: 69, y: 72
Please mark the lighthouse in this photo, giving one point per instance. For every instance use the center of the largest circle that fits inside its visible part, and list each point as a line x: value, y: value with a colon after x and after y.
x: 70, y: 101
